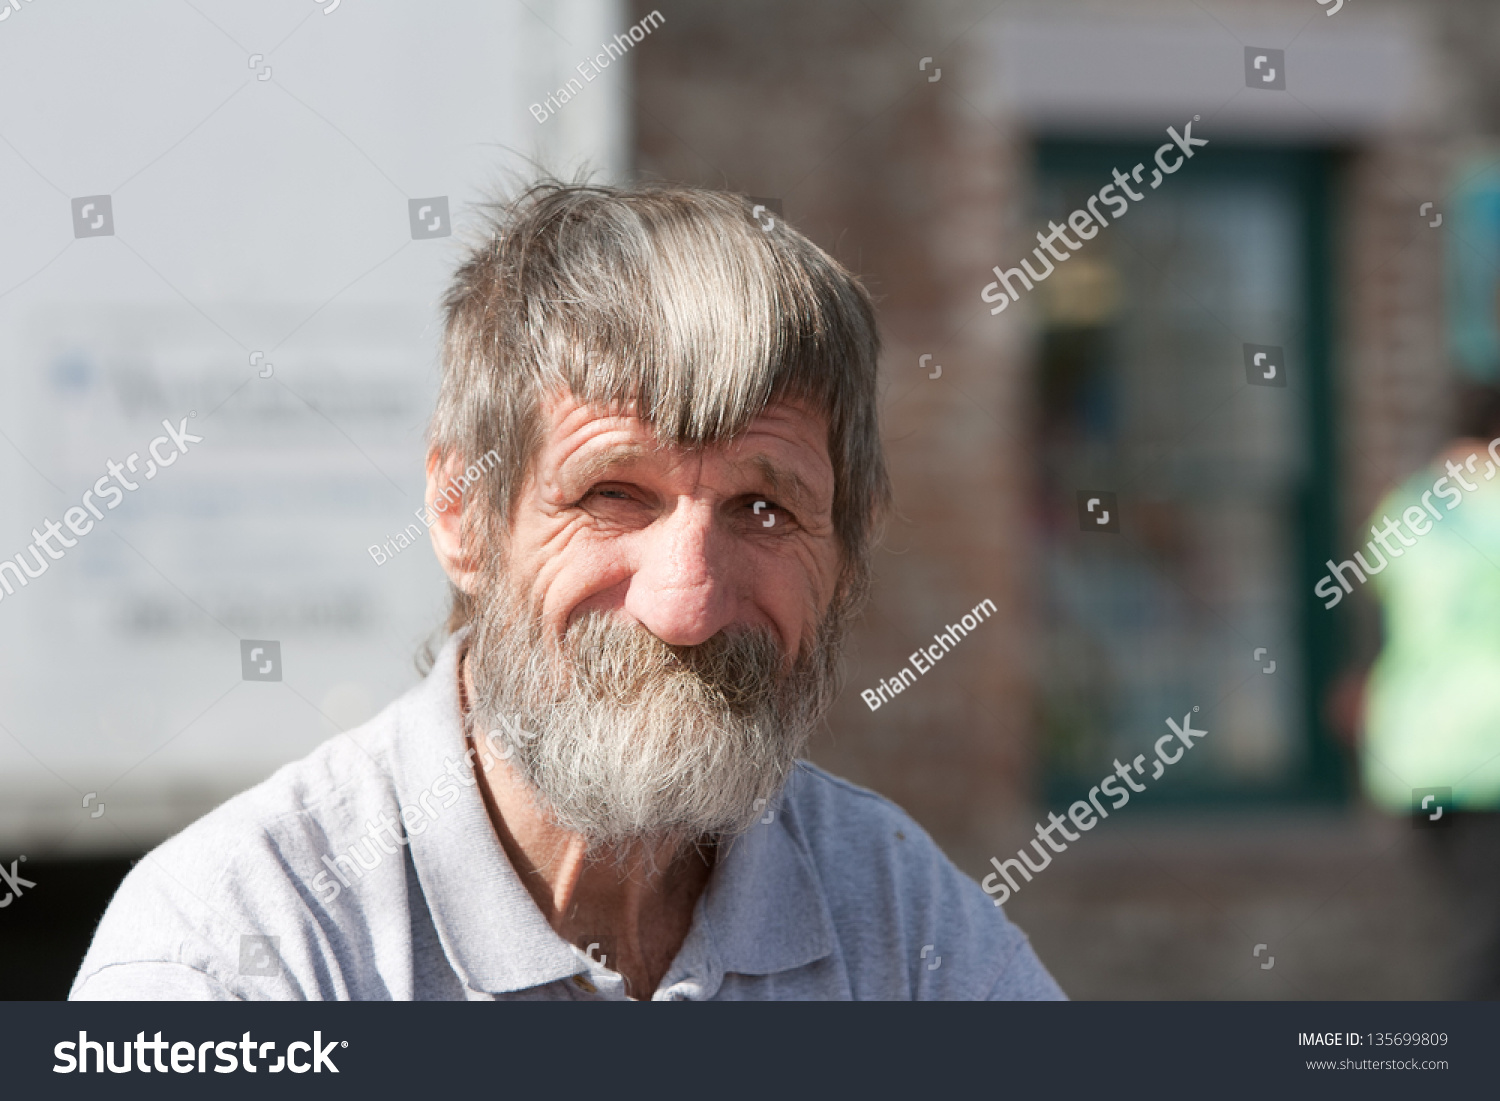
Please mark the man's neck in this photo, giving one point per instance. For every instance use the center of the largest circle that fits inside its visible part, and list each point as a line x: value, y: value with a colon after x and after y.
x: 637, y: 903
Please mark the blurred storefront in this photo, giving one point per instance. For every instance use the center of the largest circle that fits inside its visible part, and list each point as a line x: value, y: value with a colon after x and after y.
x: 926, y: 145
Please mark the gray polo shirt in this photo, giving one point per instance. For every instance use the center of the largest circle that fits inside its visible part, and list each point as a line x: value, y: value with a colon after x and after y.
x: 370, y: 870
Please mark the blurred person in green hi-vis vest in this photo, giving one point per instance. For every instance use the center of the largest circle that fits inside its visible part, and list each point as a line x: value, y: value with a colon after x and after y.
x: 1431, y: 702
x: 1431, y: 715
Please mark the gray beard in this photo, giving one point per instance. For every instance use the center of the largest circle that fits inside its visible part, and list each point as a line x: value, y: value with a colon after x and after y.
x: 628, y: 741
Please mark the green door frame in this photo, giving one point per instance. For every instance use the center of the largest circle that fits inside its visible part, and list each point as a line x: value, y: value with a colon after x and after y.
x: 1312, y: 173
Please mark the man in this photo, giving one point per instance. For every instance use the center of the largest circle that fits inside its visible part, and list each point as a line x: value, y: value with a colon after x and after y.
x: 595, y: 792
x: 1431, y: 716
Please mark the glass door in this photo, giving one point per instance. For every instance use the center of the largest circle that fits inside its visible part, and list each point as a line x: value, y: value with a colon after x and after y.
x: 1182, y: 375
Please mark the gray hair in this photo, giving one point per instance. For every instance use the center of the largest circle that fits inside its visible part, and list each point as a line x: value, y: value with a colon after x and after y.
x: 676, y: 299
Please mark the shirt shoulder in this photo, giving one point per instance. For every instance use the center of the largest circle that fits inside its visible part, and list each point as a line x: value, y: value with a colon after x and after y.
x: 233, y: 905
x: 909, y: 923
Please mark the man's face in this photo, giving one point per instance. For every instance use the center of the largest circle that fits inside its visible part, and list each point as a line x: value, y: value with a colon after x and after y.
x: 660, y: 622
x: 685, y: 543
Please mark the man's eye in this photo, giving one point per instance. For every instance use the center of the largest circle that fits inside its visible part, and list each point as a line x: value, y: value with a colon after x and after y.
x: 768, y: 515
x: 608, y: 500
x: 610, y: 493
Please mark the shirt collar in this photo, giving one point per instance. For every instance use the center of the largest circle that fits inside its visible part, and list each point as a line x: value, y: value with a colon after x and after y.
x: 762, y: 912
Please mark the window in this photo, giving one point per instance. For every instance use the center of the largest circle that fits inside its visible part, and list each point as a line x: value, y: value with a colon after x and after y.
x: 1224, y: 488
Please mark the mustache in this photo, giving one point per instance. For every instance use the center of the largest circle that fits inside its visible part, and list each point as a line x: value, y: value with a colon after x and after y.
x: 736, y: 669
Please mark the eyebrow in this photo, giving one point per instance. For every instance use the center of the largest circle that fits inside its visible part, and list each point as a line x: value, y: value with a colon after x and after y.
x: 596, y: 466
x: 785, y: 484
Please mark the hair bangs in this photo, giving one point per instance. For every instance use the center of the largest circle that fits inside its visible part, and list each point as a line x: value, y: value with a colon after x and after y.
x: 692, y: 317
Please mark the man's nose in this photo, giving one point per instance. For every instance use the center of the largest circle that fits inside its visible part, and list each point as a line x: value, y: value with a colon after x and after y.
x: 682, y: 590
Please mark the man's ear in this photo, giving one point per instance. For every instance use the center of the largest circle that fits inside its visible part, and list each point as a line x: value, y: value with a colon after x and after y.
x: 448, y: 491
